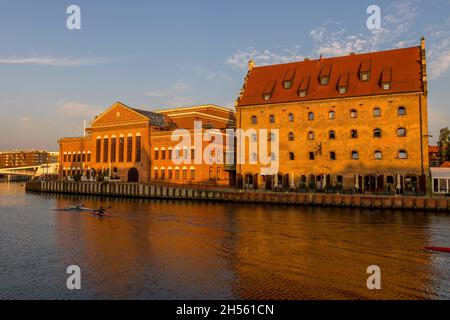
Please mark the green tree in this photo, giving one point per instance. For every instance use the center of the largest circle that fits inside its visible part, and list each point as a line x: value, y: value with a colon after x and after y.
x: 444, y: 145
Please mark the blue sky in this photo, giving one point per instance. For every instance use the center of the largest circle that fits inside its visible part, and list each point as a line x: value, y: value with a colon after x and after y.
x: 160, y: 54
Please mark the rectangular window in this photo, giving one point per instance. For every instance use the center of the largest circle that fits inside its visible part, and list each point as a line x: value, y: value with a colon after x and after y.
x: 129, y: 149
x: 121, y: 149
x: 98, y: 151
x: 436, y: 185
x: 138, y: 149
x: 65, y: 158
x: 105, y: 150
x: 113, y: 149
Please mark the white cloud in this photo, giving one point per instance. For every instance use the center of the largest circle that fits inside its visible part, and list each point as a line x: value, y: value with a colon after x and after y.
x: 74, y: 109
x: 264, y: 57
x: 332, y: 39
x: 53, y: 61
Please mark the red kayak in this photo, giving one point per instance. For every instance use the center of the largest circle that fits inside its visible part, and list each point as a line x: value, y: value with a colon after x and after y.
x: 439, y: 249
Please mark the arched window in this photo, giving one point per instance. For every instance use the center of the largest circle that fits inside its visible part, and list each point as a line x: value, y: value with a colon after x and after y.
x: 311, y: 116
x: 291, y: 136
x: 156, y: 154
x: 332, y: 115
x: 401, y: 111
x: 378, y: 155
x: 355, y: 155
x: 155, y: 173
x: 332, y: 135
x: 332, y: 155
x: 192, y: 174
x: 402, y: 154
x: 291, y: 156
x: 312, y: 156
x: 377, y: 112
x: 254, y: 120
x: 401, y: 132
x: 353, y: 114
x: 354, y: 134
x: 377, y: 133
x: 129, y: 148
x: 272, y: 118
x: 311, y: 135
x: 291, y: 117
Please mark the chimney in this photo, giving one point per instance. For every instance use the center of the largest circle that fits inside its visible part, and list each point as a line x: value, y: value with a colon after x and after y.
x: 251, y: 65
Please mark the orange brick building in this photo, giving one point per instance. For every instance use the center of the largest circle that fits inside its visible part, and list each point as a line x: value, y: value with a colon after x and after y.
x: 134, y: 145
x: 357, y: 122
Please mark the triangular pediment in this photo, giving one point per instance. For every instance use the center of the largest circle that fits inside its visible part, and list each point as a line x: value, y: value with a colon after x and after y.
x: 118, y: 113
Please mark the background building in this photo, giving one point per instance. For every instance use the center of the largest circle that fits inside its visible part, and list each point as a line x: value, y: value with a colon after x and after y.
x: 15, y: 158
x: 433, y: 151
x: 356, y: 122
x: 135, y: 146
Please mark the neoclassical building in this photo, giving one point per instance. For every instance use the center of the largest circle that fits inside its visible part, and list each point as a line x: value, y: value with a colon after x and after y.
x: 357, y: 121
x: 135, y: 145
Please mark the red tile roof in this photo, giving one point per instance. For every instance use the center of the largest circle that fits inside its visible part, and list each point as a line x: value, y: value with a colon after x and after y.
x: 446, y: 164
x: 434, y: 149
x: 401, y: 66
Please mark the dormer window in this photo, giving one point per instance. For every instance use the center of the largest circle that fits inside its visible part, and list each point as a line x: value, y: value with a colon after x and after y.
x: 386, y: 79
x: 268, y: 91
x: 287, y: 84
x: 304, y: 87
x: 343, y: 83
x: 289, y: 79
x: 364, y: 76
x: 364, y: 71
x: 325, y: 74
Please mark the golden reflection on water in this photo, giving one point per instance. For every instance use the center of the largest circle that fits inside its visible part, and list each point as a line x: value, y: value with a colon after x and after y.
x: 186, y: 250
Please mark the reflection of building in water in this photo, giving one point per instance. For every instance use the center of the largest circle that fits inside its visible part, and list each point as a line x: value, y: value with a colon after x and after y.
x: 317, y: 253
x: 149, y: 249
x: 174, y: 250
x: 135, y: 146
x: 357, y: 122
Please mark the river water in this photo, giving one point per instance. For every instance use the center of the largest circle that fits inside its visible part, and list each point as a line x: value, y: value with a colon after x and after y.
x: 151, y: 249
